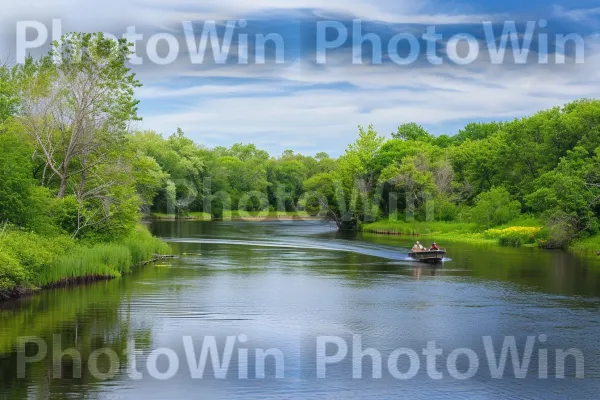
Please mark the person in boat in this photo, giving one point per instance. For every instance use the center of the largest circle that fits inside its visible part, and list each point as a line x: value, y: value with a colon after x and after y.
x: 434, y: 246
x: 417, y: 247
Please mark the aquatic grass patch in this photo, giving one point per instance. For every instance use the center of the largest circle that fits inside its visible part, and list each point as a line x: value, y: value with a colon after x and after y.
x: 34, y: 252
x: 588, y: 245
x: 192, y: 215
x: 529, y: 233
x: 12, y: 274
x: 103, y: 260
x: 418, y: 228
x: 29, y: 261
x: 24, y: 256
x: 271, y: 214
x: 143, y: 246
x: 106, y: 260
x: 517, y: 235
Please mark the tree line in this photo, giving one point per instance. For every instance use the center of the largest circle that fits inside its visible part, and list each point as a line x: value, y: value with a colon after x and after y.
x: 73, y: 165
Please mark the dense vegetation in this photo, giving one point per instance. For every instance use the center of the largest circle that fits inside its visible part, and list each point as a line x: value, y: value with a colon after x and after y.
x: 76, y: 178
x: 71, y: 185
x: 540, y: 172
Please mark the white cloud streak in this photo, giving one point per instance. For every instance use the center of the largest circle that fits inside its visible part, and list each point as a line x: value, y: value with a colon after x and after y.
x: 309, y: 107
x: 384, y: 95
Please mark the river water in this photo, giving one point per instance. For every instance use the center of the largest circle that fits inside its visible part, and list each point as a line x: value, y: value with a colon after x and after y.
x: 312, y: 300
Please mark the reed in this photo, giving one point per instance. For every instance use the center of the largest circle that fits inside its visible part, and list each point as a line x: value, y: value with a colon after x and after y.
x: 143, y: 246
x: 517, y: 235
x: 193, y: 215
x: 102, y: 260
x: 417, y: 228
x: 29, y: 261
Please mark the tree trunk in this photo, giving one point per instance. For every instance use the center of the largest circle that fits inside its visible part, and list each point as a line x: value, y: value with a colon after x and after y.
x: 63, y: 188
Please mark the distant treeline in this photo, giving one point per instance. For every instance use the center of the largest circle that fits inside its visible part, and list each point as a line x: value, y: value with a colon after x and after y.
x: 71, y: 166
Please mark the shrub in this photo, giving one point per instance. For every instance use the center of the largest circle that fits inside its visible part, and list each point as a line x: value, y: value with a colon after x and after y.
x: 29, y: 260
x: 494, y: 208
x: 561, y: 230
x: 12, y: 274
x: 516, y: 235
x: 35, y: 253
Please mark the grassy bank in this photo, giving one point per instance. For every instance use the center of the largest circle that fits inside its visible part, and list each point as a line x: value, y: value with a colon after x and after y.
x: 270, y: 215
x: 519, y: 232
x: 587, y: 246
x: 200, y: 216
x: 29, y: 262
x: 237, y: 215
x: 464, y: 232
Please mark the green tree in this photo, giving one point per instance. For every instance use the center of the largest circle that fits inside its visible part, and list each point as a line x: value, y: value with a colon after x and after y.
x: 477, y: 131
x: 17, y: 180
x: 495, y: 208
x: 413, y: 132
x: 78, y: 108
x: 569, y: 194
x: 8, y: 95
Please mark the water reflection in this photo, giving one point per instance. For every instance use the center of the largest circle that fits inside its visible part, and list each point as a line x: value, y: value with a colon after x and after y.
x: 284, y: 284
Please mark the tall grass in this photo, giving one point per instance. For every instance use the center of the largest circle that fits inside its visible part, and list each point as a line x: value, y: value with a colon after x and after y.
x: 418, y: 228
x: 523, y: 231
x: 28, y: 260
x: 143, y: 246
x: 193, y: 215
x: 588, y: 245
x: 517, y: 235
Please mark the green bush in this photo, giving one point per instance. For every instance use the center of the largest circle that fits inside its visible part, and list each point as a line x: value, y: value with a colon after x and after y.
x: 35, y: 253
x: 516, y: 235
x: 12, y: 274
x: 494, y: 208
x: 30, y: 260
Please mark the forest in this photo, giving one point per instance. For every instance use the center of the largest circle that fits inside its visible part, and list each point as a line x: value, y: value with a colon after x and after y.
x: 77, y: 177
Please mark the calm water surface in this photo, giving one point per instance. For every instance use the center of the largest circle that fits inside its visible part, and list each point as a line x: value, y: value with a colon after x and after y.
x: 283, y: 285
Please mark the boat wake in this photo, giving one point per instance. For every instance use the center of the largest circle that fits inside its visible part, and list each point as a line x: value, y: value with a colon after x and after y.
x: 390, y: 253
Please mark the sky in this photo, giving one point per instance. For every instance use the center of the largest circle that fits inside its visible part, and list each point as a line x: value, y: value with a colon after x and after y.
x: 306, y: 99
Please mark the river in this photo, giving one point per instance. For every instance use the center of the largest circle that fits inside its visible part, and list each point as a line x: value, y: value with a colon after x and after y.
x: 311, y: 300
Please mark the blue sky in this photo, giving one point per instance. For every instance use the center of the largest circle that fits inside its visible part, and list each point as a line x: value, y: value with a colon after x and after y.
x: 311, y: 107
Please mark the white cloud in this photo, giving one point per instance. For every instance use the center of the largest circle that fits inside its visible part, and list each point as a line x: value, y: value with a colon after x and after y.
x: 161, y: 92
x: 310, y: 107
x: 393, y: 11
x: 107, y: 14
x: 576, y: 15
x: 385, y: 95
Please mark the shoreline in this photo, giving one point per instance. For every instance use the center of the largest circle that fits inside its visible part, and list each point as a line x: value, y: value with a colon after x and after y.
x: 268, y: 218
x: 466, y: 238
x: 22, y: 292
x: 582, y: 246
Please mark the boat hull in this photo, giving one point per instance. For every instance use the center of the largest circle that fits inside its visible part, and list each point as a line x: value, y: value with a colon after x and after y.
x: 431, y: 256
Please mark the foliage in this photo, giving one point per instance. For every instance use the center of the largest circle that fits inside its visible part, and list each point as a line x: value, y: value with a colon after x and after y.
x: 412, y: 131
x: 494, y: 208
x: 28, y: 260
x: 517, y: 235
x: 17, y: 181
x: 9, y: 100
x: 12, y: 275
x: 76, y: 179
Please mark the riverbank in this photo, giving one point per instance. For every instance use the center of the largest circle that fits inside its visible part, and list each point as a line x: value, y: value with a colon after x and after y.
x: 524, y: 232
x: 193, y: 216
x: 238, y: 215
x: 254, y: 216
x: 587, y: 246
x: 527, y: 232
x: 30, y: 262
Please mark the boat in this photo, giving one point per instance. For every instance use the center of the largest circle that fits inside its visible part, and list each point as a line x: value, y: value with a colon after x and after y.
x: 432, y: 256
